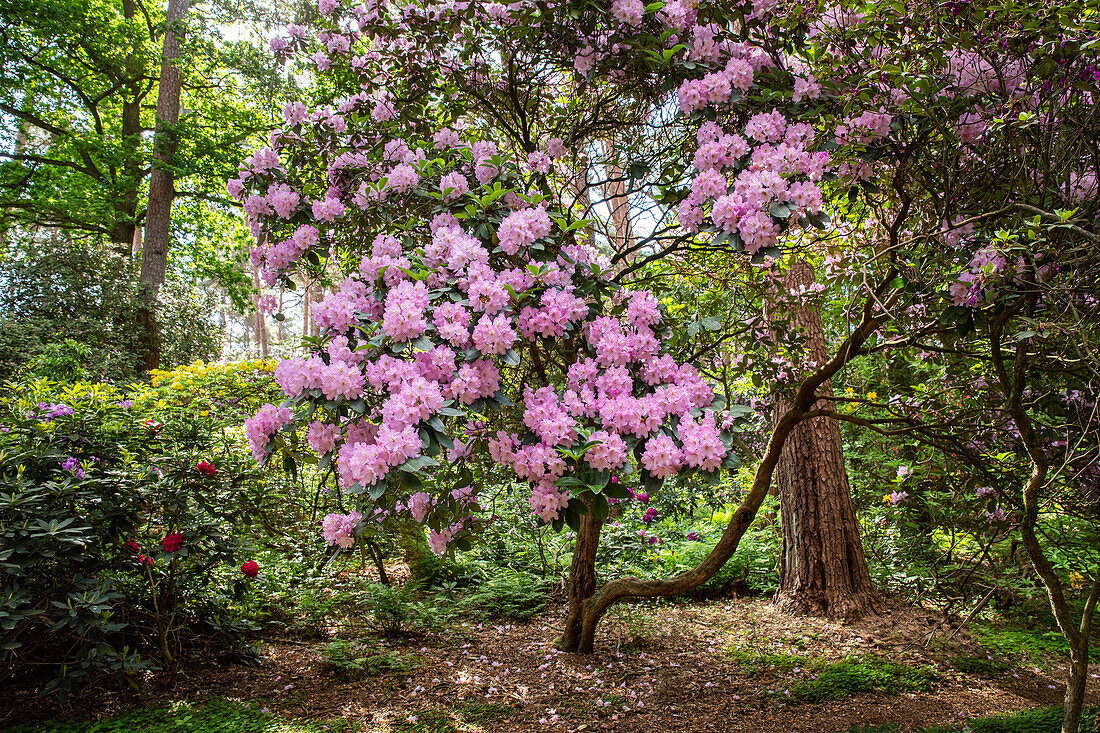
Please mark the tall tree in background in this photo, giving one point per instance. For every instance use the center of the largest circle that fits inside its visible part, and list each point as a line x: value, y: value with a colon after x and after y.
x: 158, y: 223
x: 822, y: 566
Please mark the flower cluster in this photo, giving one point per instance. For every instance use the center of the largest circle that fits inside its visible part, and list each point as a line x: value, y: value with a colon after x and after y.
x: 339, y: 529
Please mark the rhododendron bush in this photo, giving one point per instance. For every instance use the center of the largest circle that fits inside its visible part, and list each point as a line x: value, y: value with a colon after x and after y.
x: 471, y: 177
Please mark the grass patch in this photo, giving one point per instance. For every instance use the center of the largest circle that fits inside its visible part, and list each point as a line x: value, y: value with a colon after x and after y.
x: 859, y: 675
x: 461, y: 719
x: 218, y: 716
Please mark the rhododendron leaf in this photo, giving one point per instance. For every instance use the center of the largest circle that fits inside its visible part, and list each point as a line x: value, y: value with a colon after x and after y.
x: 568, y: 481
x: 511, y: 357
x: 290, y: 465
x: 600, y: 506
x: 573, y: 514
x: 650, y: 482
x: 417, y: 463
x: 451, y: 412
x: 779, y: 210
x: 437, y: 424
x: 377, y: 490
x: 502, y: 399
x: 616, y: 491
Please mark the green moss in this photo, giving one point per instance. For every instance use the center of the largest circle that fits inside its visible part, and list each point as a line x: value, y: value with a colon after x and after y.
x: 218, y: 716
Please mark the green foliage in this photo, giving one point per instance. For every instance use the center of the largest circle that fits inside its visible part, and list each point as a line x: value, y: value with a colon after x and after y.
x: 1026, y: 646
x: 841, y: 680
x: 1034, y: 720
x: 213, y: 717
x: 68, y: 314
x: 508, y: 594
x: 354, y: 660
x: 92, y: 480
x: 752, y: 569
x: 394, y: 611
x: 758, y: 663
x: 981, y: 666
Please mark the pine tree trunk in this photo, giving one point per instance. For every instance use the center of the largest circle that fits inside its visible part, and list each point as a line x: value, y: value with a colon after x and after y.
x: 822, y: 568
x: 158, y: 222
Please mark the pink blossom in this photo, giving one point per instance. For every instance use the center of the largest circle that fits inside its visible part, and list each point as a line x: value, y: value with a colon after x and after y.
x: 339, y: 529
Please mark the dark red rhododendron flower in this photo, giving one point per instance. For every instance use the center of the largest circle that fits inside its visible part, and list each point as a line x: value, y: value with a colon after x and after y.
x: 172, y: 541
x: 251, y: 569
x: 132, y: 546
x: 206, y: 468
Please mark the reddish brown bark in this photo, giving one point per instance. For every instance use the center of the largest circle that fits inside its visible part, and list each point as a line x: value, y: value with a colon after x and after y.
x: 822, y: 568
x: 617, y: 200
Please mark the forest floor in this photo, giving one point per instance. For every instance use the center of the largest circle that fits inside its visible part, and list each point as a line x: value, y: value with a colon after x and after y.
x: 729, y: 665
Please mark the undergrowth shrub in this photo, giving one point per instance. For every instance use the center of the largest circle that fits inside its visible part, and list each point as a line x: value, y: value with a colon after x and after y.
x: 120, y: 516
x: 354, y: 660
x: 508, y: 594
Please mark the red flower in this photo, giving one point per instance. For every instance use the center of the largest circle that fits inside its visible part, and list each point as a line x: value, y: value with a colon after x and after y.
x: 145, y: 560
x: 206, y: 468
x: 172, y: 541
x: 132, y: 546
x: 251, y: 569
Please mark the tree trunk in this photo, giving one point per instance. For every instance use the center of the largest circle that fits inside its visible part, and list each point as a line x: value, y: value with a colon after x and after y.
x: 1074, y: 700
x: 261, y: 326
x: 582, y: 585
x: 279, y: 334
x: 617, y: 200
x: 822, y: 569
x: 158, y: 221
x: 306, y: 316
